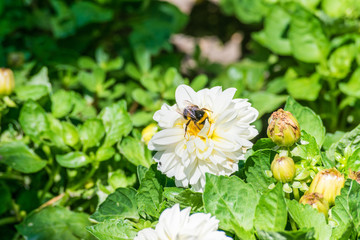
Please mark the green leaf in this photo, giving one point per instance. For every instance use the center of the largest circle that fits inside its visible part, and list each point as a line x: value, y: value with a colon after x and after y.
x: 82, y: 110
x: 141, y: 171
x: 347, y: 145
x: 331, y: 138
x: 143, y: 59
x: 352, y: 87
x: 86, y: 63
x: 247, y: 11
x: 306, y: 88
x: 307, y: 39
x: 21, y: 158
x: 266, y: 102
x: 343, y: 9
x: 73, y: 159
x: 91, y: 133
x: 41, y: 78
x: 307, y: 217
x: 118, y: 179
x: 353, y: 162
x: 118, y: 205
x: 150, y: 193
x: 199, y: 82
x: 31, y: 92
x: 33, y: 120
x: 340, y: 213
x: 142, y: 118
x: 104, y: 153
x: 350, y: 196
x: 340, y: 61
x: 135, y: 152
x: 271, y: 213
x: 61, y: 103
x: 276, y: 24
x: 143, y: 97
x: 87, y: 12
x: 233, y: 202
x: 263, y: 143
x: 117, y: 122
x: 302, y: 234
x: 256, y: 165
x: 308, y: 150
x: 185, y: 197
x: 55, y: 223
x: 70, y: 134
x: 113, y: 230
x: 308, y: 120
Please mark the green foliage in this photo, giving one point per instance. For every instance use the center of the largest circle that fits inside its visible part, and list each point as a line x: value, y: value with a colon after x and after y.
x: 271, y: 214
x: 307, y: 217
x: 55, y: 223
x: 113, y: 230
x: 18, y: 156
x: 232, y: 202
x: 118, y: 205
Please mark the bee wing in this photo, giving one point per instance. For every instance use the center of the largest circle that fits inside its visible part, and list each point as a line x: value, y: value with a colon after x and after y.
x: 188, y: 103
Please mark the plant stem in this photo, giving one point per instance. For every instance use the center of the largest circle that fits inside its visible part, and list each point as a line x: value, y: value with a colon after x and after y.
x: 11, y: 176
x: 16, y: 209
x: 296, y: 193
x: 287, y: 195
x: 49, y: 184
x: 94, y: 167
x: 8, y: 220
x: 293, y: 224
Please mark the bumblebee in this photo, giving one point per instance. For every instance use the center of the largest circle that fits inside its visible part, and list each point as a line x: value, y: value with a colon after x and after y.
x: 196, y: 115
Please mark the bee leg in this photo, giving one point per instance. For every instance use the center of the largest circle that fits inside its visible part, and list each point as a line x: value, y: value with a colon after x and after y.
x: 186, y: 126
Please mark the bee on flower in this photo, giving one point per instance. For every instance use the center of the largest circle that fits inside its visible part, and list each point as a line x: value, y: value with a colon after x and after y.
x: 204, y: 132
x: 179, y: 224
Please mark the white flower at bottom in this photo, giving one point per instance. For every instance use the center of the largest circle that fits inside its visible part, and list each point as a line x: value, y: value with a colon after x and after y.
x: 179, y: 225
x: 187, y: 149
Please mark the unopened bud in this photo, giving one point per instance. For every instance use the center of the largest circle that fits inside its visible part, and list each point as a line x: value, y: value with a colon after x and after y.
x: 7, y: 81
x: 317, y: 201
x: 283, y: 169
x: 283, y: 129
x: 354, y: 175
x: 148, y: 132
x: 328, y: 182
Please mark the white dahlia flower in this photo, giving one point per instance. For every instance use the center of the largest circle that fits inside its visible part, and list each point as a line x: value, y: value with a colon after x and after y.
x: 179, y: 225
x: 204, y: 132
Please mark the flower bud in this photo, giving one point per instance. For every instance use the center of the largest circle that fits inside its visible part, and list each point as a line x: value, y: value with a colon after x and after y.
x: 7, y: 81
x: 328, y: 182
x: 283, y: 129
x: 317, y: 201
x: 283, y: 169
x: 354, y: 175
x: 148, y: 132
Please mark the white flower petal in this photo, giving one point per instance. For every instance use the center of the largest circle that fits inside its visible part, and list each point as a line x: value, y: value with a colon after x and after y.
x: 185, y: 94
x: 223, y: 100
x: 147, y: 234
x: 179, y: 224
x: 162, y: 139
